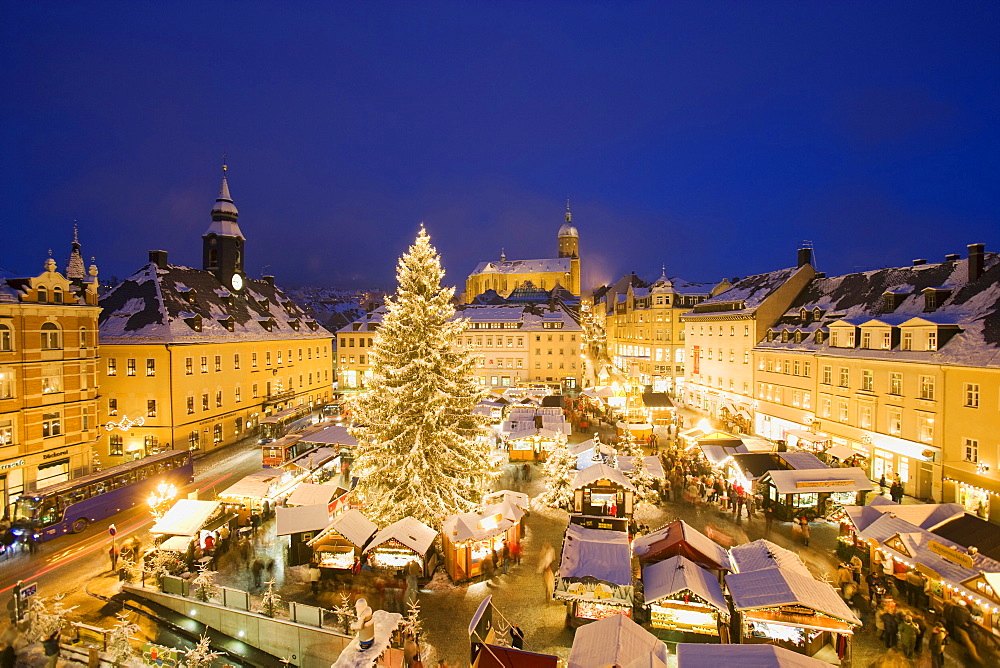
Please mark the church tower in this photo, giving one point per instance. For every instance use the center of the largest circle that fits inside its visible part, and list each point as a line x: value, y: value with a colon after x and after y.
x: 222, y: 243
x: 75, y: 270
x: 569, y: 247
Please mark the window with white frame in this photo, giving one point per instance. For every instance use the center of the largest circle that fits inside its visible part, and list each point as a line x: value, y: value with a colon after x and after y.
x: 894, y: 420
x: 925, y: 428
x: 971, y: 449
x: 895, y: 383
x: 906, y: 343
x: 52, y: 379
x: 6, y: 383
x: 866, y: 339
x: 886, y: 340
x: 972, y: 395
x: 932, y: 341
x: 6, y: 339
x: 825, y: 406
x: 51, y: 424
x: 827, y: 375
x: 842, y: 413
x: 50, y: 336
x: 845, y: 377
x: 927, y: 387
x: 865, y: 416
x: 867, y: 380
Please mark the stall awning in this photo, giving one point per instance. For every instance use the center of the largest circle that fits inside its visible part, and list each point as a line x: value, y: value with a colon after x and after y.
x: 597, y: 553
x: 601, y: 471
x: 185, y: 518
x: 409, y: 531
x: 777, y: 587
x: 806, y: 481
x: 308, y: 494
x: 301, y: 518
x: 657, y: 400
x: 335, y: 435
x: 176, y: 544
x: 699, y: 655
x: 614, y: 641
x: 650, y: 464
x: 254, y: 486
x: 810, y: 436
x: 841, y: 452
x: 720, y: 453
x: 678, y: 574
x: 516, y: 499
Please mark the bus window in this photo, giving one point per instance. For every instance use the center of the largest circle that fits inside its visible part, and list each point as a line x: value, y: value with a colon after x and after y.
x: 48, y: 513
x: 25, y: 508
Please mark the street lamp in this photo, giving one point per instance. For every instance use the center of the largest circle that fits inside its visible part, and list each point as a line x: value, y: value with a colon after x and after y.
x: 160, y: 499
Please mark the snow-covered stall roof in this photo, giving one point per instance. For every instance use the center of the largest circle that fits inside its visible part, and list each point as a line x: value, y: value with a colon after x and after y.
x: 516, y: 499
x: 720, y: 453
x: 576, y: 448
x: 301, y: 518
x: 334, y: 435
x: 800, y: 459
x: 310, y: 494
x: 924, y: 515
x: 680, y: 538
x: 804, y: 481
x: 314, y: 458
x: 774, y: 587
x: 601, y: 472
x: 841, y: 452
x: 650, y: 464
x: 761, y: 554
x: 675, y: 574
x: 185, y: 518
x: 409, y: 531
x: 597, y: 553
x: 255, y: 486
x: 480, y: 525
x: 352, y: 525
x: 699, y: 655
x: 613, y: 641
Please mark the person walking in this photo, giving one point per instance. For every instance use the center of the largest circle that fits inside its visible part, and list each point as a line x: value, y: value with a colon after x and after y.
x: 891, y: 634
x: 550, y: 583
x: 856, y: 568
x: 50, y: 645
x: 314, y: 575
x: 936, y: 643
x: 882, y: 485
x: 113, y: 555
x: 907, y: 636
x: 256, y: 568
x: 488, y: 568
x: 546, y: 556
x: 515, y: 553
x: 505, y: 557
x: 804, y: 528
x: 516, y: 637
x: 768, y: 520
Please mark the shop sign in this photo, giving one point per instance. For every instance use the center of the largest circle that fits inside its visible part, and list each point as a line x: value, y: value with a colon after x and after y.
x: 796, y: 610
x: 50, y: 455
x: 825, y: 483
x: 950, y: 554
x: 12, y: 465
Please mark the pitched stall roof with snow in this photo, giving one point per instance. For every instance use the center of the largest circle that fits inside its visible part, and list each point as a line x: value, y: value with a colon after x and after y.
x: 677, y: 574
x: 476, y: 526
x: 334, y: 435
x: 778, y: 587
x: 409, y: 532
x: 651, y: 465
x: 805, y: 481
x: 614, y: 641
x: 601, y: 471
x: 309, y: 494
x: 597, y: 553
x: 185, y: 517
x: 352, y: 525
x: 761, y: 554
x: 699, y: 655
x: 680, y: 538
x: 301, y: 518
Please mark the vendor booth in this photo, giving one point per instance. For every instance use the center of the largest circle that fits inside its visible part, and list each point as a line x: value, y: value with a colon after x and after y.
x: 694, y: 655
x: 603, y: 491
x: 247, y: 496
x: 691, y: 437
x: 402, y: 542
x: 471, y: 537
x: 813, y: 441
x: 189, y: 517
x: 516, y: 499
x: 338, y: 546
x: 650, y: 464
x: 683, y: 599
x: 301, y: 523
x: 333, y: 496
x: 813, y: 492
x: 681, y: 539
x: 634, y: 427
x: 595, y: 574
x: 792, y: 610
x: 761, y: 554
x: 531, y: 433
x: 660, y: 408
x: 616, y: 641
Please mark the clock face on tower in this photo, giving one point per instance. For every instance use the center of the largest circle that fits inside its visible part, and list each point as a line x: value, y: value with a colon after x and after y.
x: 237, y: 282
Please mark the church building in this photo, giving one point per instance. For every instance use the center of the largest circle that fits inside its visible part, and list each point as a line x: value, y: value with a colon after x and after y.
x: 504, y: 276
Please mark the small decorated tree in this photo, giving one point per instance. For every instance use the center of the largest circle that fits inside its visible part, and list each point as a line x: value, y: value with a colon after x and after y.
x: 270, y: 601
x: 155, y: 565
x: 412, y: 624
x: 201, y: 655
x: 129, y: 569
x: 119, y: 646
x: 345, y: 612
x: 205, y: 582
x: 559, y: 470
x: 44, y: 616
x: 642, y: 481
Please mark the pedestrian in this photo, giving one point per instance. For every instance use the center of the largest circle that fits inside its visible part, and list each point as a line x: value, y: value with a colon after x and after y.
x: 417, y: 663
x: 488, y: 568
x: 244, y: 548
x: 515, y: 553
x: 516, y: 637
x: 113, y: 554
x: 50, y: 645
x: 546, y: 556
x: 937, y: 642
x: 891, y: 633
x: 550, y: 583
x: 907, y: 636
x: 856, y: 569
x: 882, y: 485
x: 505, y: 557
x: 804, y: 528
x: 256, y: 567
x: 526, y: 471
x: 314, y: 575
x: 768, y: 520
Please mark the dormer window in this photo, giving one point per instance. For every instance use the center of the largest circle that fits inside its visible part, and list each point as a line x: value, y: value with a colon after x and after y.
x: 934, y: 297
x: 820, y: 337
x: 835, y: 338
x: 817, y: 313
x: 57, y: 295
x: 267, y: 324
x: 193, y: 320
x: 229, y: 322
x: 295, y: 324
x: 804, y: 316
x: 798, y: 337
x: 770, y: 335
x: 311, y: 324
x: 886, y: 340
x: 43, y: 294
x: 866, y: 339
x: 932, y: 341
x: 784, y: 336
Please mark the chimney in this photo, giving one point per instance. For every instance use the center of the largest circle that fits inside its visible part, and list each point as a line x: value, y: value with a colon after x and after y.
x: 951, y: 257
x: 805, y: 256
x: 976, y: 261
x: 268, y: 279
x: 159, y: 258
x: 918, y: 262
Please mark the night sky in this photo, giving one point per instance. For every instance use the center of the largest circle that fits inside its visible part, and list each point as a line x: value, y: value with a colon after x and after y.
x: 712, y: 138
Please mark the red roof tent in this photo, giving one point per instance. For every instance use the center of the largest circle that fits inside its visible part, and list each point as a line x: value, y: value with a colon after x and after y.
x: 494, y: 656
x: 680, y: 539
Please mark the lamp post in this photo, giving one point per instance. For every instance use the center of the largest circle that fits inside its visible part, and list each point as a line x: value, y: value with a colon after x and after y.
x: 160, y: 499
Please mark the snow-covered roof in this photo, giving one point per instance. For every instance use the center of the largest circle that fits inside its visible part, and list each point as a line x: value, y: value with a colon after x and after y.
x: 409, y: 531
x: 185, y: 518
x: 821, y: 480
x: 597, y: 553
x: 256, y: 485
x: 699, y: 655
x: 650, y: 464
x: 555, y: 264
x: 679, y: 537
x: 614, y: 641
x: 301, y: 518
x: 310, y: 494
x: 352, y: 656
x: 744, y: 296
x: 924, y: 515
x: 773, y: 587
x: 800, y: 459
x: 720, y: 453
x: 352, y: 525
x: 761, y: 554
x: 334, y: 435
x: 601, y: 471
x: 675, y: 574
x: 516, y: 499
x: 480, y: 525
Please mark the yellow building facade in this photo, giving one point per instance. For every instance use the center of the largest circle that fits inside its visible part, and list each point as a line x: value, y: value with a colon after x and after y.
x: 48, y: 379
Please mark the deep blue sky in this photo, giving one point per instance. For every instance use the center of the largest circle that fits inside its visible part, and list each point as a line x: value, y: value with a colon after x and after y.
x: 710, y: 137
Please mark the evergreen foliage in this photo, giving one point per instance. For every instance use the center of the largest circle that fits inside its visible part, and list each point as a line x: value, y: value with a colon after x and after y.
x: 270, y: 601
x: 559, y: 470
x: 418, y: 451
x: 120, y: 640
x: 201, y: 655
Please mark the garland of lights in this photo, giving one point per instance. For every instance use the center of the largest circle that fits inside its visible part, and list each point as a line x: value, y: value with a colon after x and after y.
x: 125, y: 424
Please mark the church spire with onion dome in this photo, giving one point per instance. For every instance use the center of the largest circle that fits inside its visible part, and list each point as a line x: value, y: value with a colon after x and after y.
x: 222, y: 243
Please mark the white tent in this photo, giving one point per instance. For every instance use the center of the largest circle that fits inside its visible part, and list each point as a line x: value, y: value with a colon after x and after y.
x: 615, y: 640
x: 185, y: 518
x: 301, y: 518
x: 409, y: 531
x: 697, y: 655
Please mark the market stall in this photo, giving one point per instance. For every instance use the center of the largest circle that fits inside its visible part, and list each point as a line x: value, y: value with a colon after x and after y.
x: 595, y: 574
x: 761, y: 554
x: 246, y: 496
x: 813, y: 441
x: 790, y: 609
x: 683, y: 599
x: 301, y: 523
x: 660, y: 407
x: 699, y: 655
x: 812, y: 492
x: 679, y: 538
x: 338, y: 546
x: 616, y: 641
x: 187, y: 517
x: 691, y: 437
x: 600, y: 490
x: 532, y: 432
x: 469, y: 538
x: 650, y: 464
x: 332, y: 495
x: 402, y: 542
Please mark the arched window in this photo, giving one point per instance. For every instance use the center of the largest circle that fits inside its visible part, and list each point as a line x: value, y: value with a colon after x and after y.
x: 6, y: 341
x: 213, y: 257
x: 83, y: 338
x: 57, y: 295
x: 50, y: 336
x: 43, y: 294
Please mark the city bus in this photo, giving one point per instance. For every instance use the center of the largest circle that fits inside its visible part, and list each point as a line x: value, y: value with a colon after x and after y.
x: 69, y: 507
x: 275, y: 426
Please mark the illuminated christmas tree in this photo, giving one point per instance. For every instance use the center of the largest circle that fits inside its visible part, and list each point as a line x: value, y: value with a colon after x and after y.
x: 419, y: 454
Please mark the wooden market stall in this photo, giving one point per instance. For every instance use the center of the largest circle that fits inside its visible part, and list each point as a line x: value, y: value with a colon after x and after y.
x: 532, y: 432
x: 785, y: 607
x: 760, y: 554
x: 616, y: 640
x: 601, y: 490
x: 812, y: 492
x: 402, y: 542
x: 683, y: 600
x: 595, y: 574
x: 335, y: 497
x: 699, y: 655
x: 660, y: 406
x: 678, y: 538
x: 338, y: 546
x: 300, y: 523
x: 469, y: 538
